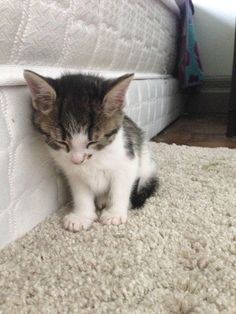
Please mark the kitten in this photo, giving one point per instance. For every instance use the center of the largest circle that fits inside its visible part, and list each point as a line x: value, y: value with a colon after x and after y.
x: 101, y: 151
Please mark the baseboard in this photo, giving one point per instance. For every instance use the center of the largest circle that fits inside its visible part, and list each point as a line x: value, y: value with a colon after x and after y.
x: 212, y: 96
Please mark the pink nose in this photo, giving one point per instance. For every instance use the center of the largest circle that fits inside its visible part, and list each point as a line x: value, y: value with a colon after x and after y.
x: 77, y: 158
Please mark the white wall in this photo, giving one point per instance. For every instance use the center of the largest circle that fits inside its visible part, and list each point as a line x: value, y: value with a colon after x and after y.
x: 215, y: 23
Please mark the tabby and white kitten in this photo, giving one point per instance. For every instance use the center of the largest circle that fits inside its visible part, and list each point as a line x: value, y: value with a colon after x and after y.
x: 100, y: 150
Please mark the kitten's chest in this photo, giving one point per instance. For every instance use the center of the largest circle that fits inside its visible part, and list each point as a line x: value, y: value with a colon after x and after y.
x: 98, y: 180
x: 98, y: 172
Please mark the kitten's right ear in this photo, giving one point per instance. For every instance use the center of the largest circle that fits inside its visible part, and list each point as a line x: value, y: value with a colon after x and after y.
x: 114, y: 99
x: 43, y: 95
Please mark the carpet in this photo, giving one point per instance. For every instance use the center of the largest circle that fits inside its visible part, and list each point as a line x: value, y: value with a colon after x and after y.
x: 176, y: 255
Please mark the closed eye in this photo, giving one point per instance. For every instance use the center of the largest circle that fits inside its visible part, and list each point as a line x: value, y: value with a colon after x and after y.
x: 91, y: 143
x: 65, y: 145
x: 113, y: 132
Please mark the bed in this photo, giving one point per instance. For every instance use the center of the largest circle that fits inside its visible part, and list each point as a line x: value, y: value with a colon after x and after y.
x: 104, y: 37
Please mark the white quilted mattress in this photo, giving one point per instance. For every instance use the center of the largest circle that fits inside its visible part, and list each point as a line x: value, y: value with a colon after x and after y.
x: 49, y: 36
x: 125, y: 35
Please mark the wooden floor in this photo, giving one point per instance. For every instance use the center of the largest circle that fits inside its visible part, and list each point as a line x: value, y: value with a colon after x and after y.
x: 205, y: 130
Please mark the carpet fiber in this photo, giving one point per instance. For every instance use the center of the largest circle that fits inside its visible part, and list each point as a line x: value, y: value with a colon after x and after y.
x: 176, y: 255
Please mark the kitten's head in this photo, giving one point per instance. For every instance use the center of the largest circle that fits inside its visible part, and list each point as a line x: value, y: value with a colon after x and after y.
x: 77, y: 114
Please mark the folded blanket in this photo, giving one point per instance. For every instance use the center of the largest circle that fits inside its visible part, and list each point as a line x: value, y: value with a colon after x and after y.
x: 190, y: 70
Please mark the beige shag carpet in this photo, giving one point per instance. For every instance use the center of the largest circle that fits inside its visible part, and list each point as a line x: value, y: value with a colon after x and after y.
x: 176, y: 255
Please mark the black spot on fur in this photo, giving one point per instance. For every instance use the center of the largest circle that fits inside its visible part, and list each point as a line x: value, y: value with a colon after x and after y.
x: 129, y: 147
x: 91, y: 126
x: 139, y: 195
x: 133, y: 137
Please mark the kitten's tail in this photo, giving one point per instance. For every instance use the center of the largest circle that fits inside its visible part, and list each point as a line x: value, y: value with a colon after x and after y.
x: 140, y: 193
x: 147, y: 182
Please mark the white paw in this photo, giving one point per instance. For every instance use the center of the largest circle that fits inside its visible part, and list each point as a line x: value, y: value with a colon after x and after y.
x: 74, y: 223
x: 110, y: 217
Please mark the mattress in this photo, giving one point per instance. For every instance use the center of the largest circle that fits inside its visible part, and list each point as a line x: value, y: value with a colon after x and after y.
x: 103, y: 37
x: 136, y: 35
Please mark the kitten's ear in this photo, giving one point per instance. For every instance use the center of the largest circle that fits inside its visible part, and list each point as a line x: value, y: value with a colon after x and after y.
x: 43, y: 95
x: 114, y: 99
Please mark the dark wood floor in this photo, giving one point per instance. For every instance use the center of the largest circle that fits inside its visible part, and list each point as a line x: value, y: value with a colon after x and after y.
x: 205, y: 130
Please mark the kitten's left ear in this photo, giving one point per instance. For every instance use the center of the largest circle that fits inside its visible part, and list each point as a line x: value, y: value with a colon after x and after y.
x: 43, y: 94
x: 114, y: 99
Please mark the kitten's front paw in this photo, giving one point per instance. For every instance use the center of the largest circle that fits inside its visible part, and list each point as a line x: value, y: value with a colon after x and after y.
x: 111, y: 217
x: 74, y: 223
